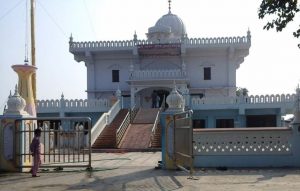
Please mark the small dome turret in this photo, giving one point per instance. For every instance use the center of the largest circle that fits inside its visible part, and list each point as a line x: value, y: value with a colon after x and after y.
x: 175, y: 100
x: 16, y: 104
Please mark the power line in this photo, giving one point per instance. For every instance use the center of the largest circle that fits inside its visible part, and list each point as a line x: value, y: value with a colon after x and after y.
x: 53, y: 20
x: 89, y: 18
x: 10, y: 10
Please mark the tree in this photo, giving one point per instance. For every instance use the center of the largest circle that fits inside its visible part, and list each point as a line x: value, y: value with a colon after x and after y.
x: 282, y: 12
x: 241, y: 91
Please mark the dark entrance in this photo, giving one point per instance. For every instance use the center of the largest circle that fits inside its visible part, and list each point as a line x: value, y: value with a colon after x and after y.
x: 261, y: 121
x: 162, y: 95
x: 224, y: 123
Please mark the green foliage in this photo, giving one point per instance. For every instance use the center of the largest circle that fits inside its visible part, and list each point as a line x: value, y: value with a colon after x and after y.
x: 283, y: 11
x: 241, y: 91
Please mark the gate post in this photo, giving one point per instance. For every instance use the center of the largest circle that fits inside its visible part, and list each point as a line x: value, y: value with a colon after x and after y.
x: 10, y: 143
x: 176, y: 104
x: 167, y: 144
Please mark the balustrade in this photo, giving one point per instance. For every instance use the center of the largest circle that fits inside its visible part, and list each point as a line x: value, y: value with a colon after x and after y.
x: 249, y: 141
x: 187, y: 41
x: 72, y: 105
x: 253, y: 99
x: 104, y: 120
x: 157, y: 74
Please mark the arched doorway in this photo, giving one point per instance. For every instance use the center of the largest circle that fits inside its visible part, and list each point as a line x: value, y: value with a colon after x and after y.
x: 145, y: 96
x: 162, y: 93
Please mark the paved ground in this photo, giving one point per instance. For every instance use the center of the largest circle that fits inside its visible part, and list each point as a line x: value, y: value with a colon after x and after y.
x: 135, y: 171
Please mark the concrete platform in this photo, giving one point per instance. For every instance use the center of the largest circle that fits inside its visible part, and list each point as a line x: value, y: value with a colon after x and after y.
x: 135, y: 171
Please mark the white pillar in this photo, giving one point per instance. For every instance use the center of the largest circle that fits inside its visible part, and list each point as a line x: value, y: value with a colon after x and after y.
x: 132, y: 94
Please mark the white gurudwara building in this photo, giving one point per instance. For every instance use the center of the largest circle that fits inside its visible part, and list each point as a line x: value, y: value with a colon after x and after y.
x: 201, y: 67
x: 142, y: 72
x: 128, y: 83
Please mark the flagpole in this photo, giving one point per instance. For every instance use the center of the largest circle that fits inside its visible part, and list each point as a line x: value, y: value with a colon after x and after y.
x: 32, y: 32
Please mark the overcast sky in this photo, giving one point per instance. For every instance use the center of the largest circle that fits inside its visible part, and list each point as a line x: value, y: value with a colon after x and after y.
x: 272, y: 66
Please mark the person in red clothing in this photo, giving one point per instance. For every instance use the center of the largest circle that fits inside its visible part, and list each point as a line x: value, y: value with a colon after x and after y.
x: 35, y: 148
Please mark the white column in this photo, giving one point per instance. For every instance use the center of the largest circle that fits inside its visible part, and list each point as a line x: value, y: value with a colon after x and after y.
x: 91, y: 77
x: 132, y: 94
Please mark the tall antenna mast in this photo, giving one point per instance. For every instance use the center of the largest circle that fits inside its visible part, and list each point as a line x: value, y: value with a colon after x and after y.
x: 26, y: 34
x: 32, y: 6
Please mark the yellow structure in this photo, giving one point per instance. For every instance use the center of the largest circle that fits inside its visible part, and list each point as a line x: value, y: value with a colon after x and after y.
x: 25, y: 73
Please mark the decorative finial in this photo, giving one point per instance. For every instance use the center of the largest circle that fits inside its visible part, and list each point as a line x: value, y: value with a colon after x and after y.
x: 71, y: 39
x: 9, y: 96
x: 135, y: 36
x: 118, y: 92
x: 16, y: 90
x: 169, y: 6
x: 249, y: 34
x: 62, y: 95
x: 174, y: 85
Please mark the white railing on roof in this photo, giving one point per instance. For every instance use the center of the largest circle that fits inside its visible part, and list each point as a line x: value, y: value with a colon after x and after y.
x: 157, y: 74
x: 219, y: 40
x: 133, y: 43
x: 73, y: 105
x: 104, y: 120
x: 253, y: 99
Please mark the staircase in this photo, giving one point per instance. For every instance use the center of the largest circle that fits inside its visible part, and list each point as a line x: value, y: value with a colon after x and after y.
x: 156, y: 141
x: 138, y: 134
x: 107, y: 138
x: 146, y: 116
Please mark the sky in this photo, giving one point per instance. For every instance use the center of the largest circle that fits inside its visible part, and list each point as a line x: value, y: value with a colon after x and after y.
x: 272, y: 66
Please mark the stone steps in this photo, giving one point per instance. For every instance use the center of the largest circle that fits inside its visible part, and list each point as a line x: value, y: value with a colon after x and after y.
x: 107, y: 138
x: 137, y: 136
x: 146, y: 116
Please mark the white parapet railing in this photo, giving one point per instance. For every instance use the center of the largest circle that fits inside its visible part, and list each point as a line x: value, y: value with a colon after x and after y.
x: 98, y: 128
x: 243, y: 141
x: 253, y: 99
x: 113, y: 111
x: 283, y: 101
x: 218, y: 41
x: 104, y: 120
x: 247, y: 147
x: 129, y: 44
x: 157, y: 74
x: 73, y: 105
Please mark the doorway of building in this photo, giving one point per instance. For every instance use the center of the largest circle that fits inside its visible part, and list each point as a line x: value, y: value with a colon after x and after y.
x: 162, y: 94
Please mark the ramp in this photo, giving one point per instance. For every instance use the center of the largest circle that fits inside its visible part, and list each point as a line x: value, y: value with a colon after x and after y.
x: 146, y: 116
x: 138, y: 134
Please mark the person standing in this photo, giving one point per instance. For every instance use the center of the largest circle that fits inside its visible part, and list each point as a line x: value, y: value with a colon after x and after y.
x: 35, y: 148
x: 154, y: 97
x: 157, y: 101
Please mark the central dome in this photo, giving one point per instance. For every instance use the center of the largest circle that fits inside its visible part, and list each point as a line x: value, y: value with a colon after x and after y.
x: 169, y: 26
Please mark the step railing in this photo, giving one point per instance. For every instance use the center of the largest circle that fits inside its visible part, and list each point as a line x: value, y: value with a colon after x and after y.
x: 157, y: 74
x: 122, y: 129
x: 133, y: 113
x: 104, y: 120
x: 125, y: 124
x: 157, y: 120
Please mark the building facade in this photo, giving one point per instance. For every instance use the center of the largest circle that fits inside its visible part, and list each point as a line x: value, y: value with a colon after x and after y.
x: 200, y: 67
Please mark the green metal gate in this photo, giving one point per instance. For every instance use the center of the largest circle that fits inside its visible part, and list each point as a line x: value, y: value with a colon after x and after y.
x: 66, y: 141
x: 183, y: 141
